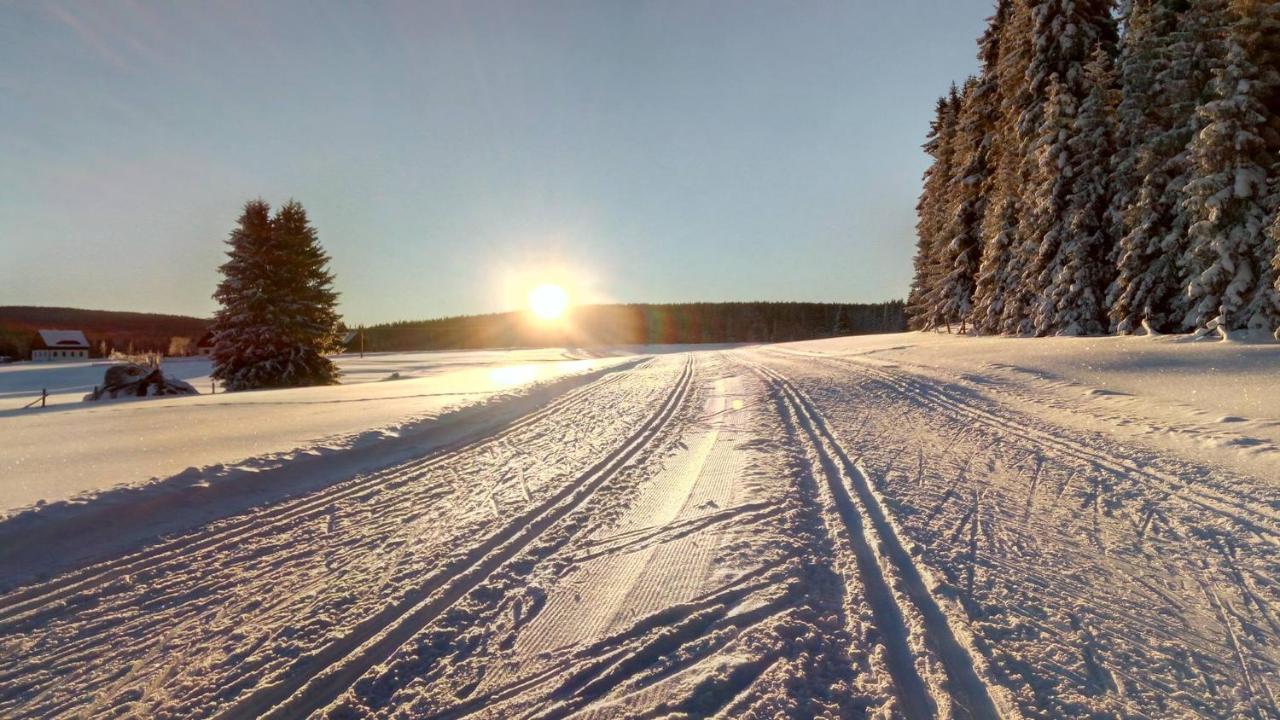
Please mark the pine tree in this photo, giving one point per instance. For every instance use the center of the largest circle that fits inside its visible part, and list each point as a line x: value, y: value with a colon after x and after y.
x: 930, y: 210
x: 1184, y: 47
x: 962, y: 296
x: 1144, y: 26
x: 1073, y: 283
x: 1003, y: 50
x: 1063, y: 37
x: 1259, y: 30
x: 926, y: 222
x: 1044, y: 223
x: 1069, y: 196
x: 950, y: 302
x: 277, y: 317
x: 1273, y: 235
x: 1229, y: 264
x: 840, y: 326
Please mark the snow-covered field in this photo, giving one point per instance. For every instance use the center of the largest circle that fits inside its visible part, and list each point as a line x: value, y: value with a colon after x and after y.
x: 890, y: 526
x: 73, y: 447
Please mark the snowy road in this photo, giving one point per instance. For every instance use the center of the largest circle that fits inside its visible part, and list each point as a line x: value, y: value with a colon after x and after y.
x: 782, y: 531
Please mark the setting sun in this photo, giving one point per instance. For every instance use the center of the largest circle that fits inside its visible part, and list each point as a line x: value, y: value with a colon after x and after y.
x: 548, y: 301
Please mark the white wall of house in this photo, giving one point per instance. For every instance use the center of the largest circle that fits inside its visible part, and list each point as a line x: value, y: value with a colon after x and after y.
x: 58, y: 355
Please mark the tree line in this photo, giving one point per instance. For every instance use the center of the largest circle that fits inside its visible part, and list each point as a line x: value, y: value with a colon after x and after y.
x: 642, y: 324
x: 107, y: 331
x: 1111, y: 168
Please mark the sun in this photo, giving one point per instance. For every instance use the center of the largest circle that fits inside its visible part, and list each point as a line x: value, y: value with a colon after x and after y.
x: 548, y: 301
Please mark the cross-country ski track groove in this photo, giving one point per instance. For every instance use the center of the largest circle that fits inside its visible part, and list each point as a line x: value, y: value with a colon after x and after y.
x: 757, y: 532
x: 969, y: 692
x: 19, y: 604
x: 316, y: 681
x: 1184, y: 508
x: 647, y: 561
x: 1257, y: 519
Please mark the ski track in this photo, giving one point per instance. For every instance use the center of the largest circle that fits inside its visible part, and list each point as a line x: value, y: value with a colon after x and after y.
x: 582, y: 644
x: 373, y: 640
x: 665, y: 565
x: 1137, y: 602
x: 22, y: 601
x: 372, y: 525
x: 680, y: 599
x: 880, y: 551
x: 762, y: 532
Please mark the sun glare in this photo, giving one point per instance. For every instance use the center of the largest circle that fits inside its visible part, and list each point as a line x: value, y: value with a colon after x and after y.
x: 548, y: 301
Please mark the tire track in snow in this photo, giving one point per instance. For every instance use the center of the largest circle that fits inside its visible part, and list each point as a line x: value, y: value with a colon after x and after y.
x: 965, y: 687
x: 317, y: 680
x: 22, y: 603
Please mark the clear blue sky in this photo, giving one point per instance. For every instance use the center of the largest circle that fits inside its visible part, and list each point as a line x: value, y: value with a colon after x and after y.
x: 451, y: 153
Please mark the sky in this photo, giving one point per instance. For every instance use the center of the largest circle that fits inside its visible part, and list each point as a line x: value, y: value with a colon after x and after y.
x: 453, y: 154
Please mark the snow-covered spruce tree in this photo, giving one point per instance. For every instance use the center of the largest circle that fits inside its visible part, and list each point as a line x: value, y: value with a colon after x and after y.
x: 1273, y: 235
x: 926, y: 230
x: 1074, y: 280
x: 997, y: 273
x: 949, y: 302
x: 1043, y: 225
x: 1145, y: 23
x: 1229, y: 264
x: 277, y: 317
x: 1260, y: 33
x: 1003, y: 50
x: 930, y: 210
x: 1184, y: 45
x: 1064, y: 35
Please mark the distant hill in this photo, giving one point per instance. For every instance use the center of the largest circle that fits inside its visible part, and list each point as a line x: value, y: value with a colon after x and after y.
x: 118, y: 330
x: 589, y: 325
x: 637, y: 324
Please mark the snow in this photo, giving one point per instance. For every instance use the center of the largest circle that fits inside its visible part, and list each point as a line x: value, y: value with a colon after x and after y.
x: 1169, y: 369
x: 913, y: 525
x: 67, y: 382
x: 64, y: 338
x: 129, y: 443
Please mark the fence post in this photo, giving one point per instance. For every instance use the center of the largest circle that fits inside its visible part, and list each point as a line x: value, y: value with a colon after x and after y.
x: 44, y: 394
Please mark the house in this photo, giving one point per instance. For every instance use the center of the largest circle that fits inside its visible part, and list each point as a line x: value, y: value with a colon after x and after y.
x: 59, y: 345
x: 204, y: 346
